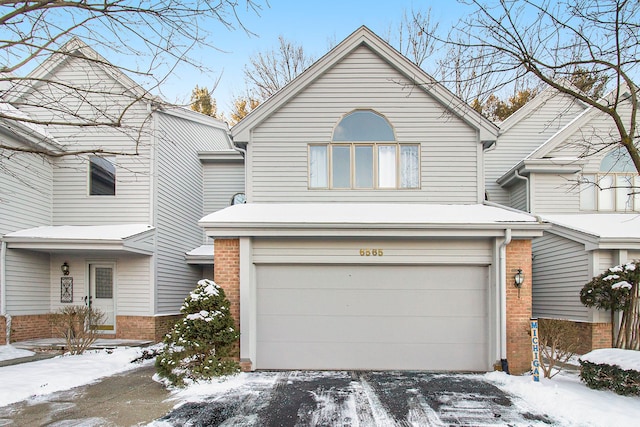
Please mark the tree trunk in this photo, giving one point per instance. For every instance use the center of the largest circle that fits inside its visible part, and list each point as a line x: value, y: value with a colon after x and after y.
x: 629, y: 335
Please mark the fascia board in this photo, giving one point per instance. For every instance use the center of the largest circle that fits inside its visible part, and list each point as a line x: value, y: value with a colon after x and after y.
x: 194, y: 116
x: 220, y: 156
x: 363, y: 36
x: 543, y: 166
x: 559, y: 137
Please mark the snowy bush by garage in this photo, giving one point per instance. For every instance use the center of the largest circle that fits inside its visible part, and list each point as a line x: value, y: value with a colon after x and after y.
x: 200, y: 345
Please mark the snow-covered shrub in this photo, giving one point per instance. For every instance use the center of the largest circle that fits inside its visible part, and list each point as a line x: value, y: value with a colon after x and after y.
x: 77, y: 325
x: 200, y: 345
x: 612, y: 369
x: 559, y: 341
x: 618, y: 289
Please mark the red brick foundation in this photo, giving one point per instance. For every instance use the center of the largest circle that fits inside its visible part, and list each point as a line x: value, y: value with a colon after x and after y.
x: 3, y: 330
x: 593, y: 336
x: 518, y: 307
x: 226, y: 273
x: 29, y: 327
x: 152, y: 328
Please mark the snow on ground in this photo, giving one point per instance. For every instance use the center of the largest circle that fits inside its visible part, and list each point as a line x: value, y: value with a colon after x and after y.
x: 9, y: 352
x: 563, y: 398
x: 25, y: 380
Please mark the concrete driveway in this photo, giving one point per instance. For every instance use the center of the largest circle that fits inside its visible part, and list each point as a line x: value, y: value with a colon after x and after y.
x: 356, y: 399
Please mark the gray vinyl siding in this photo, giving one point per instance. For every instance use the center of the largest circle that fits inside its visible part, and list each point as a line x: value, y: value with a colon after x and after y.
x: 518, y: 196
x: 28, y: 285
x: 25, y: 191
x: 560, y: 270
x: 221, y: 182
x: 179, y: 206
x: 606, y: 260
x: 523, y: 138
x: 555, y: 194
x: 328, y: 251
x: 362, y: 80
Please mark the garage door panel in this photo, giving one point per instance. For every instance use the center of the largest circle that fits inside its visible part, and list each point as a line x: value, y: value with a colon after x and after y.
x: 372, y: 302
x: 372, y: 356
x: 374, y: 277
x: 372, y: 317
x: 365, y: 329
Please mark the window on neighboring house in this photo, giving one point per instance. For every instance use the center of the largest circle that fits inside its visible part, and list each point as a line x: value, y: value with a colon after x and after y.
x: 364, y: 154
x: 102, y: 176
x: 614, y: 188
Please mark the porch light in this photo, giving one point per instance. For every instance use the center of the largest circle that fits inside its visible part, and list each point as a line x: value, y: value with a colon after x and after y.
x: 65, y: 268
x: 518, y: 279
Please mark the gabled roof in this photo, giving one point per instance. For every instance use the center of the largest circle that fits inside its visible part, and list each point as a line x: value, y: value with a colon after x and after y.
x: 133, y: 238
x: 365, y: 37
x: 74, y: 48
x: 213, y: 130
x: 523, y: 112
x: 16, y: 122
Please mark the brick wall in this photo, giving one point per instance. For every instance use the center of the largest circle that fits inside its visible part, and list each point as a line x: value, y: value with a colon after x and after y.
x: 3, y: 330
x: 226, y: 273
x: 28, y: 327
x: 593, y: 336
x: 518, y: 307
x: 152, y: 328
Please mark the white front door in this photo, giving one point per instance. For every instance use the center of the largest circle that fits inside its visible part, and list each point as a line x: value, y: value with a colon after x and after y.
x: 101, y: 294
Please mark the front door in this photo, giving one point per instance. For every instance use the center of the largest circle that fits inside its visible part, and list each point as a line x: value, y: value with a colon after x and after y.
x: 101, y: 295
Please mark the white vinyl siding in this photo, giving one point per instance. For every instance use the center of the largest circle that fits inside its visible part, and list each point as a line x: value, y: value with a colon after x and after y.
x: 25, y: 191
x: 555, y: 194
x: 279, y: 146
x: 633, y: 255
x: 179, y: 206
x: 560, y: 270
x: 524, y: 137
x: 518, y: 196
x: 221, y: 182
x: 27, y: 278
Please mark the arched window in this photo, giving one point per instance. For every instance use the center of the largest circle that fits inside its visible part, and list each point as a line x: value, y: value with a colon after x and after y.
x: 364, y: 154
x: 614, y: 188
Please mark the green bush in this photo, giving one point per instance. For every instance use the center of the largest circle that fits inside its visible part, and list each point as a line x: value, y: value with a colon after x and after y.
x: 611, y: 377
x: 200, y: 345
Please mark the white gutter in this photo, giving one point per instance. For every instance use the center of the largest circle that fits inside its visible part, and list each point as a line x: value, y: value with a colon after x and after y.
x: 3, y: 292
x: 526, y: 189
x: 502, y: 290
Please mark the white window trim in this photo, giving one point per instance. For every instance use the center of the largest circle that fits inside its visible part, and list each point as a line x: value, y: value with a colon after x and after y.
x: 352, y: 171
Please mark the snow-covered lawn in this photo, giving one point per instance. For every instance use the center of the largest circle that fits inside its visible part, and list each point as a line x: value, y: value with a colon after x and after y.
x: 564, y: 398
x: 20, y: 382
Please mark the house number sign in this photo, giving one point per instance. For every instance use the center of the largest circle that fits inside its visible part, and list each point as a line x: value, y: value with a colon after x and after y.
x: 371, y: 252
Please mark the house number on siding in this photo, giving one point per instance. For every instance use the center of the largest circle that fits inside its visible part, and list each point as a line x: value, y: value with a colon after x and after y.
x: 371, y: 252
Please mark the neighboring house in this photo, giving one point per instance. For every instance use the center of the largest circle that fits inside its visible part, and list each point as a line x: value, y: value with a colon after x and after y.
x: 121, y: 223
x: 546, y: 161
x: 365, y: 242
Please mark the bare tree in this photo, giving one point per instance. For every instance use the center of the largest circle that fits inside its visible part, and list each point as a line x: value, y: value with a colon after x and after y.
x: 415, y: 36
x: 152, y: 39
x: 271, y: 70
x: 552, y: 41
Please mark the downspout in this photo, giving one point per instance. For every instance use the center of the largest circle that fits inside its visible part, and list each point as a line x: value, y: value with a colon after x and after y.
x: 502, y: 289
x: 526, y: 189
x: 3, y: 292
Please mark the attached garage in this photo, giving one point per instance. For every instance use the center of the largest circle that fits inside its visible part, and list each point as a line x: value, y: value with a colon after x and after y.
x: 423, y: 317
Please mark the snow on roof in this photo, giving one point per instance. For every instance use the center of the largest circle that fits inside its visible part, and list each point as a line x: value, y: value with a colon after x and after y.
x: 608, y: 226
x: 82, y: 232
x: 204, y: 250
x: 12, y: 112
x: 364, y: 213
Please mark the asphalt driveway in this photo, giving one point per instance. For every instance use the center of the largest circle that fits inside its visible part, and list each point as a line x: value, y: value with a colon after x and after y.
x: 356, y: 399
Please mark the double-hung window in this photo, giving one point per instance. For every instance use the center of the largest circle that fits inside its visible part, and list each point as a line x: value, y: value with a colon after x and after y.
x: 364, y: 155
x: 614, y: 188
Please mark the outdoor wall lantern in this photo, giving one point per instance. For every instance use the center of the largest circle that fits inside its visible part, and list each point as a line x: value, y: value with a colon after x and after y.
x: 518, y: 279
x: 65, y: 268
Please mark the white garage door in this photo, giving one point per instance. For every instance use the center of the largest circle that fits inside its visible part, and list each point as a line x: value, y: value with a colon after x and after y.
x: 372, y: 317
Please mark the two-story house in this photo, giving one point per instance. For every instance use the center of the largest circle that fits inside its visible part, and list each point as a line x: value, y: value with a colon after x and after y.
x: 115, y: 224
x: 365, y: 242
x: 555, y: 158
